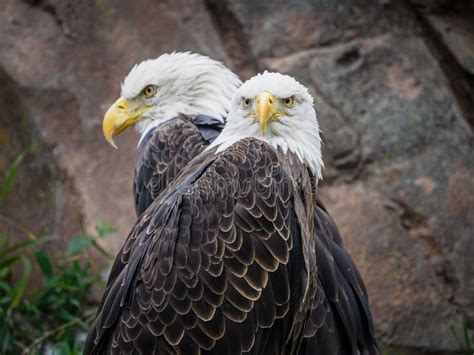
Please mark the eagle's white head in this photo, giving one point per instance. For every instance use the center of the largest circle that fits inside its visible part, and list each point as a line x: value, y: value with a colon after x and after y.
x: 159, y: 89
x: 279, y: 110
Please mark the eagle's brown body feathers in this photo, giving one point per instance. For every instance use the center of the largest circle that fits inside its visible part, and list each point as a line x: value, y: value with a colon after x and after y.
x: 217, y: 266
x: 166, y: 150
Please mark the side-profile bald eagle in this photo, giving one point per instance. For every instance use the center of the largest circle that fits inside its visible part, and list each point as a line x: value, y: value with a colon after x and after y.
x: 328, y: 329
x: 178, y: 103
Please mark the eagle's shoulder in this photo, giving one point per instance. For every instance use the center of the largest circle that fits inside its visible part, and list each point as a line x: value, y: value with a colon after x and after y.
x: 162, y: 154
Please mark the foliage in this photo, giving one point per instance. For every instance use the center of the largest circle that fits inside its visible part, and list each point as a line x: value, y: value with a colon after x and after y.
x: 10, y: 175
x: 464, y: 340
x: 50, y: 317
x: 52, y: 314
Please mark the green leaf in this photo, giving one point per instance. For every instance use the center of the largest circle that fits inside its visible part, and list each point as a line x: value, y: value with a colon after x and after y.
x: 16, y: 247
x: 78, y: 244
x: 44, y: 264
x: 467, y: 339
x: 63, y: 348
x: 23, y: 245
x: 8, y: 262
x: 22, y: 283
x: 104, y: 230
x: 5, y: 300
x: 5, y: 286
x: 10, y: 175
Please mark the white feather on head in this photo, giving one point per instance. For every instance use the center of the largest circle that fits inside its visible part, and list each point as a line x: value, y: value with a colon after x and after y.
x: 298, y: 131
x: 187, y: 83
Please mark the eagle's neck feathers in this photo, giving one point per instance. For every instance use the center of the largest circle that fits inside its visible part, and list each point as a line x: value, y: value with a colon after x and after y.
x: 304, y: 142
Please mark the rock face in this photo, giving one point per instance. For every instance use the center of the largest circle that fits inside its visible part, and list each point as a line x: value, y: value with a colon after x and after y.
x: 41, y: 199
x: 393, y: 87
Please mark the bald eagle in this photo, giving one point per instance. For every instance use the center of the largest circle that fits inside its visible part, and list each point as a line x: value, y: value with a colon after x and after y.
x: 178, y: 103
x: 341, y: 321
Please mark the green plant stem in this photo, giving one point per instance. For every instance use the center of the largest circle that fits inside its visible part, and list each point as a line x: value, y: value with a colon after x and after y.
x: 50, y: 333
x: 18, y: 226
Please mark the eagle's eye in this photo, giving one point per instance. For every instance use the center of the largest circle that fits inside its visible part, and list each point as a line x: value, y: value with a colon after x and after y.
x: 246, y: 102
x: 289, y: 101
x: 149, y: 91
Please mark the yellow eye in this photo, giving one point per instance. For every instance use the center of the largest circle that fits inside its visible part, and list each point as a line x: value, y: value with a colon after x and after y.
x: 246, y: 102
x: 149, y: 91
x: 289, y: 101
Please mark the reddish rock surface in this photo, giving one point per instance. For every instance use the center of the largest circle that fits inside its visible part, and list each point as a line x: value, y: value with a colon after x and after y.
x: 393, y: 88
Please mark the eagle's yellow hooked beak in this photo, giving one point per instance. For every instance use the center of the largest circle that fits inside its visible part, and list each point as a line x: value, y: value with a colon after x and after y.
x: 121, y: 115
x: 265, y: 110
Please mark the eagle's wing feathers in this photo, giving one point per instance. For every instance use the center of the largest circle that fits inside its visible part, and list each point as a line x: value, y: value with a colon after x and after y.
x: 208, y: 267
x: 166, y: 150
x: 340, y: 322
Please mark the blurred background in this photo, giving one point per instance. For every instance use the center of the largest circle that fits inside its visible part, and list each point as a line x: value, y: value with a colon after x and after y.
x: 393, y: 83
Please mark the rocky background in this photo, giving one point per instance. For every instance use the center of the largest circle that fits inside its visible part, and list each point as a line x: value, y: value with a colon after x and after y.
x: 393, y: 83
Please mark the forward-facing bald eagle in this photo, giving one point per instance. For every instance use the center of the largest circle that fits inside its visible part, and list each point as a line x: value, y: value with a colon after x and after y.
x: 340, y: 322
